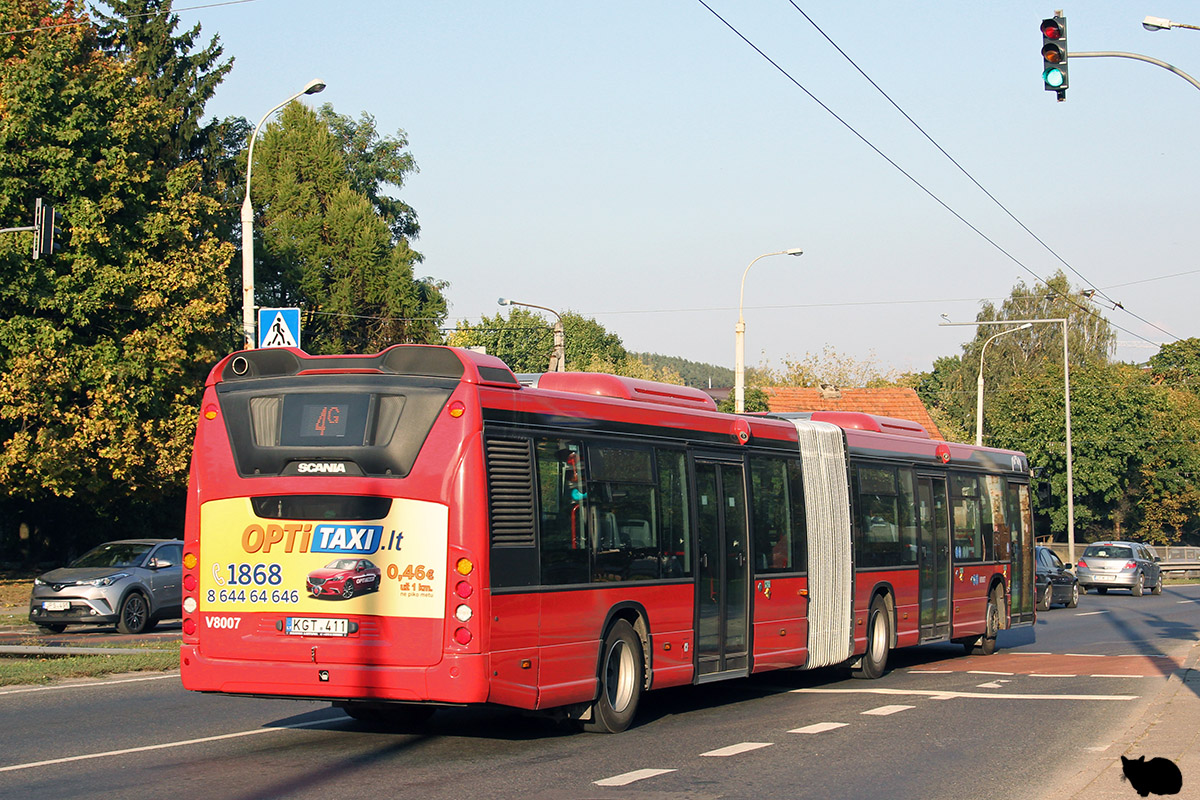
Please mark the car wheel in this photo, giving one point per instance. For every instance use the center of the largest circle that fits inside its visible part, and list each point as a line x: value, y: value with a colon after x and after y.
x: 1139, y: 586
x: 1074, y: 601
x: 621, y: 668
x: 1157, y: 586
x: 53, y: 627
x: 879, y: 642
x: 134, y: 614
x: 348, y: 589
x: 1043, y: 603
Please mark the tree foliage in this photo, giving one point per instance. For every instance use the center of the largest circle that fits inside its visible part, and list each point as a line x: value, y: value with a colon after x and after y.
x: 827, y: 367
x: 525, y: 340
x: 104, y: 345
x: 324, y: 246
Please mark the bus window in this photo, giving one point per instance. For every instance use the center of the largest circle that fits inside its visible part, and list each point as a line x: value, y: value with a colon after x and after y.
x: 563, y: 531
x: 886, y: 517
x: 622, y: 508
x: 674, y: 531
x: 966, y: 517
x: 778, y: 514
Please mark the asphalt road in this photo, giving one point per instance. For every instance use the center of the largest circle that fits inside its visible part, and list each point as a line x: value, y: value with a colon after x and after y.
x: 938, y: 725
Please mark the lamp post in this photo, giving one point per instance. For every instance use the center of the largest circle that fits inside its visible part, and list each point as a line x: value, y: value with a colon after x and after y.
x: 312, y: 87
x: 1160, y: 24
x: 558, y: 358
x: 979, y: 385
x: 1066, y: 409
x: 739, y: 330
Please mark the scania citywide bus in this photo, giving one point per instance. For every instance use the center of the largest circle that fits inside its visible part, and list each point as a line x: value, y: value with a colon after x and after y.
x: 418, y: 527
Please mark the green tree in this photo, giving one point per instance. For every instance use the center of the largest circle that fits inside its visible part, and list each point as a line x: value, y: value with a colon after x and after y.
x: 326, y: 248
x: 103, y: 347
x: 525, y: 340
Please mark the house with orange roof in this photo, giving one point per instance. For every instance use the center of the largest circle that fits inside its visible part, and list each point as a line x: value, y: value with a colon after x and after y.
x: 886, y: 401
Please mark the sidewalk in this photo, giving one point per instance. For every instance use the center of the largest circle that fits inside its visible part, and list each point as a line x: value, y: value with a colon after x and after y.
x: 1169, y: 728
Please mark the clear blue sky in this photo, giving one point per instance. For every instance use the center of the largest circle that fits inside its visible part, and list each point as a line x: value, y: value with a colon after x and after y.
x: 627, y: 160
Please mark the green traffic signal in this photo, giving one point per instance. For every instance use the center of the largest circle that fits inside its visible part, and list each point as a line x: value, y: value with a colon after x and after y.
x: 1054, y: 55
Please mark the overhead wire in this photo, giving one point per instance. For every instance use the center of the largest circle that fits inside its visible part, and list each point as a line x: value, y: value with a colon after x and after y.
x: 971, y: 177
x: 900, y: 169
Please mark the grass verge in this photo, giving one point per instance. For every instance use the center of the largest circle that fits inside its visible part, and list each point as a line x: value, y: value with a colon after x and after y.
x: 15, y: 586
x: 159, y: 657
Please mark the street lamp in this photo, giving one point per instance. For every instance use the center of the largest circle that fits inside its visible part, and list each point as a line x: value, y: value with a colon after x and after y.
x: 979, y: 385
x: 1066, y: 409
x: 312, y: 87
x: 1160, y: 24
x: 558, y: 359
x: 739, y: 381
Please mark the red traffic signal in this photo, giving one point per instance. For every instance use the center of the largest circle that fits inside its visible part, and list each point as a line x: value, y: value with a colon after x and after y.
x: 1054, y: 28
x: 1054, y: 55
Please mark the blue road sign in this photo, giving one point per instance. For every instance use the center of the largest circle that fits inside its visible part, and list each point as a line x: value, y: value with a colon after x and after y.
x: 279, y: 327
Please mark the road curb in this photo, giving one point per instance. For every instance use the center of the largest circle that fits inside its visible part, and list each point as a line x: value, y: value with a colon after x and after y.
x: 25, y: 651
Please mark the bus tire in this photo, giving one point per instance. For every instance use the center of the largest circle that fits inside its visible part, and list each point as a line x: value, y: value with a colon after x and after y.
x: 621, y: 677
x: 879, y: 641
x: 987, y: 642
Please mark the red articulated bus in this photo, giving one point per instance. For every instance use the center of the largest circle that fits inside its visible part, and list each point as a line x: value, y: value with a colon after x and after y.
x: 419, y: 528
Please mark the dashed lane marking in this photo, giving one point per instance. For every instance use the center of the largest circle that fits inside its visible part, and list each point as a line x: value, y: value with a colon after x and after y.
x: 986, y: 672
x: 884, y: 711
x: 945, y: 694
x: 630, y: 777
x: 1090, y: 613
x: 820, y: 727
x: 91, y: 685
x: 1048, y: 675
x: 737, y: 749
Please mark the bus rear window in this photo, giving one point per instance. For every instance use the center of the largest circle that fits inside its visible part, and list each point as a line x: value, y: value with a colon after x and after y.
x: 377, y: 424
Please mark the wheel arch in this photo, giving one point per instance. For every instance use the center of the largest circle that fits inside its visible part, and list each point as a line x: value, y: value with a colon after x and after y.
x: 636, y: 615
x: 884, y: 589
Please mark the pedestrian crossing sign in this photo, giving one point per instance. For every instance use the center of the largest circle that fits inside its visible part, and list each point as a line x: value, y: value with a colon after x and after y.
x: 279, y: 327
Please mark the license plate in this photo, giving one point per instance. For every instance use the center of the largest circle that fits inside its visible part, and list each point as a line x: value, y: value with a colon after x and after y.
x: 316, y: 626
x: 1106, y: 577
x: 56, y: 605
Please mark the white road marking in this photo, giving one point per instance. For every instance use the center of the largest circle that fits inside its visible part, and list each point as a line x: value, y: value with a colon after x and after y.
x: 629, y: 777
x: 985, y: 672
x: 930, y: 671
x: 1103, y: 675
x: 1048, y: 675
x: 992, y: 685
x: 820, y: 727
x: 1090, y: 613
x: 91, y: 685
x: 884, y: 711
x: 737, y: 749
x: 946, y: 695
x: 1187, y: 601
x: 163, y: 746
x: 1087, y: 655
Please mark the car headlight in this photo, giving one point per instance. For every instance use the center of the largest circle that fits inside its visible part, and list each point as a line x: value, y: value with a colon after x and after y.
x: 107, y: 580
x: 40, y: 582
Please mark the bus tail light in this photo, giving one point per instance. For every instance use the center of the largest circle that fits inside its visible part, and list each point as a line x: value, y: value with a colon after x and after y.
x: 464, y: 589
x: 462, y: 636
x: 457, y: 409
x: 189, y: 582
x: 463, y: 613
x: 189, y: 626
x: 464, y: 566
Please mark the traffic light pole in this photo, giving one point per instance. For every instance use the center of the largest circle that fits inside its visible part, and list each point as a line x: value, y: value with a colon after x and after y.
x: 1139, y: 57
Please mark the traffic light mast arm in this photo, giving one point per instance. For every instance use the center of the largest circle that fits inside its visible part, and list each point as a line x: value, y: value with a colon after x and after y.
x: 1139, y: 57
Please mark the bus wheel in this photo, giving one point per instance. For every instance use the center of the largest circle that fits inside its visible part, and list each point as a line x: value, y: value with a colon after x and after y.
x: 987, y: 644
x: 879, y: 641
x: 621, y: 677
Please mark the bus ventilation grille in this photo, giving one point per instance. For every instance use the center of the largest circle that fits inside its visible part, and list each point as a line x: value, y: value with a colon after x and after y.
x: 510, y: 492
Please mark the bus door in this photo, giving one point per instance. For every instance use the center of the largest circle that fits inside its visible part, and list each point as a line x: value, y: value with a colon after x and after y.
x: 934, y: 562
x: 723, y: 571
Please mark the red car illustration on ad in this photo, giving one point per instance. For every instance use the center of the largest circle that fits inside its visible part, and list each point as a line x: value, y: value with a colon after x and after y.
x: 344, y: 577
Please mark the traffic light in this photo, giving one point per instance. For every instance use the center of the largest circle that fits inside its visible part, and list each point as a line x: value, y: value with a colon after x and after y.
x: 1054, y: 55
x: 45, y: 229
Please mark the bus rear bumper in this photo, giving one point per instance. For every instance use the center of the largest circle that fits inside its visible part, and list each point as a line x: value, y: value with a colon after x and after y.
x: 457, y: 679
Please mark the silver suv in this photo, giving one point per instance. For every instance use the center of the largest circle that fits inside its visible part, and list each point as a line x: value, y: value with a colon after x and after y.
x: 132, y: 583
x: 1121, y: 565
